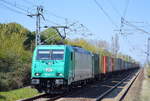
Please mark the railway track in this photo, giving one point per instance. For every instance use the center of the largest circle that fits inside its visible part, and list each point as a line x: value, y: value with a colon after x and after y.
x: 99, y: 91
x: 121, y: 96
x: 42, y: 97
x: 78, y: 93
x: 33, y: 98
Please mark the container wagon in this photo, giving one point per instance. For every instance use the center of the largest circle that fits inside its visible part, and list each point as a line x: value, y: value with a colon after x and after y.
x: 96, y: 66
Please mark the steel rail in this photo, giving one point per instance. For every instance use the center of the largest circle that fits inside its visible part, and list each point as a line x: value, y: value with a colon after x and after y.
x: 33, y: 98
x: 119, y: 83
x: 42, y: 96
x: 126, y: 91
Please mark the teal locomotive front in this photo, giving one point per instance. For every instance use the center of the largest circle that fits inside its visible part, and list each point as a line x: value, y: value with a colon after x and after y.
x: 51, y: 67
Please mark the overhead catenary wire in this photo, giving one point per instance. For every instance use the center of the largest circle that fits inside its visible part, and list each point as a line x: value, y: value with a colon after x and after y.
x: 124, y: 15
x: 126, y: 8
x: 119, y: 14
x: 16, y: 8
x: 63, y: 18
x: 114, y: 8
x: 127, y: 23
x: 22, y: 5
x: 29, y: 2
x: 133, y: 48
x: 134, y: 26
x: 50, y: 38
x: 13, y: 5
x: 106, y: 14
x: 55, y: 15
x: 125, y: 11
x: 11, y: 9
x: 50, y: 21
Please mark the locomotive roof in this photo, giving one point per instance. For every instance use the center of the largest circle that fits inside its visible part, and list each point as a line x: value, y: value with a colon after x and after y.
x: 80, y: 50
x: 75, y: 48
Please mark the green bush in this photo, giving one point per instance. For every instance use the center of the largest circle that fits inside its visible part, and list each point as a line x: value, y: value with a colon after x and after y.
x: 15, y: 61
x: 148, y: 71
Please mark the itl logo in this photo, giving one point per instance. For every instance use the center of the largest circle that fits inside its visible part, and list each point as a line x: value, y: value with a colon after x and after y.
x: 49, y: 63
x: 48, y: 69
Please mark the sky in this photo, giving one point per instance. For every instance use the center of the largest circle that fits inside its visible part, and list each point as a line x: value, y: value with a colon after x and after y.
x: 133, y: 42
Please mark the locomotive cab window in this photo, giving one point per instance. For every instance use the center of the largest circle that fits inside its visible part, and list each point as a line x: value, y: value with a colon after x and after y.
x: 57, y: 55
x: 50, y: 54
x: 43, y: 54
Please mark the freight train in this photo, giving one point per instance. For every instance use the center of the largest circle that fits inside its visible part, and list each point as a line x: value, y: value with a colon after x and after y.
x: 56, y: 68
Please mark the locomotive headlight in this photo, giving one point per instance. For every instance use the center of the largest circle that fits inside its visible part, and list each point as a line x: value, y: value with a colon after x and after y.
x: 49, y: 63
x: 48, y: 70
x: 59, y: 74
x: 37, y: 74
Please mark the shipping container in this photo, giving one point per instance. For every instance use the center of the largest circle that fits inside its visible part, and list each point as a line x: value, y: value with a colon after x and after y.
x: 104, y: 64
x: 112, y: 64
x: 100, y: 63
x: 96, y: 65
x: 118, y: 64
x: 108, y: 64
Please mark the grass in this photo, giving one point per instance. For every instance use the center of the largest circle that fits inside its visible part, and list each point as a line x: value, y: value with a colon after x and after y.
x: 148, y: 71
x: 145, y: 90
x: 17, y: 94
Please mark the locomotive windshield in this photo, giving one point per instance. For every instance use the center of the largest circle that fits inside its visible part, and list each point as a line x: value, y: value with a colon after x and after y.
x: 50, y: 54
x: 57, y: 54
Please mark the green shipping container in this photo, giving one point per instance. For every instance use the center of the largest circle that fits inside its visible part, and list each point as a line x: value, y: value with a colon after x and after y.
x: 96, y: 64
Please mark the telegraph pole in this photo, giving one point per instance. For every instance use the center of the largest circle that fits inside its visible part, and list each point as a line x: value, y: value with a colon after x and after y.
x: 38, y: 15
x: 115, y: 45
x: 122, y: 25
x: 112, y: 46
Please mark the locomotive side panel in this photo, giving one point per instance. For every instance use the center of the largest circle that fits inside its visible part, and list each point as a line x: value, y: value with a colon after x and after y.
x: 83, y: 66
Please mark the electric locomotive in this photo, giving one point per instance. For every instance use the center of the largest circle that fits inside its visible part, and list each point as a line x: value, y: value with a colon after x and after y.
x: 56, y: 67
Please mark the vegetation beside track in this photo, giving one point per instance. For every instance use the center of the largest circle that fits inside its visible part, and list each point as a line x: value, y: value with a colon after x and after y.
x: 145, y: 90
x: 145, y: 86
x: 17, y: 94
x: 16, y: 46
x: 148, y: 71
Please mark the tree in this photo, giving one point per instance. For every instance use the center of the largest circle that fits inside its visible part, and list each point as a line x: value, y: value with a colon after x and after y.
x: 95, y: 48
x: 50, y: 36
x: 13, y: 56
